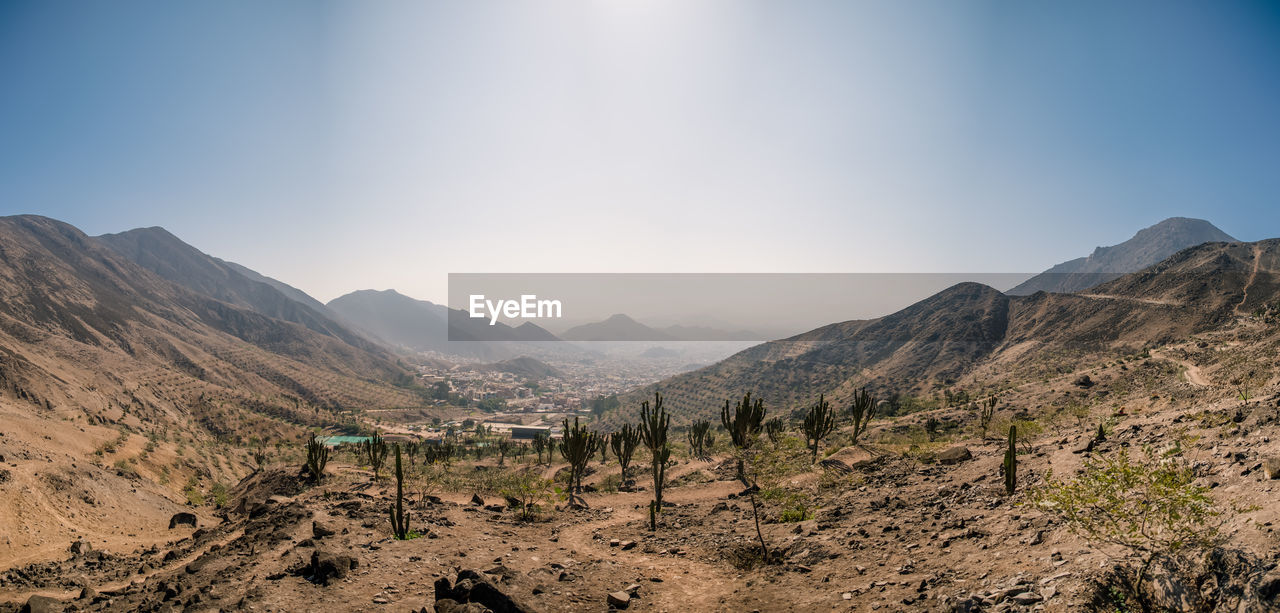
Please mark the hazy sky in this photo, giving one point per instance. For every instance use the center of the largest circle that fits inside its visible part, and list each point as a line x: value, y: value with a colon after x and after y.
x: 340, y: 146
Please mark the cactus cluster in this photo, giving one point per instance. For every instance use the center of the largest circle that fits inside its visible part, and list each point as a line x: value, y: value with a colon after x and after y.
x: 317, y: 458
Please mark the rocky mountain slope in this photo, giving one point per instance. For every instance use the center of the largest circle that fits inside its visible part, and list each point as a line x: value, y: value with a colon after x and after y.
x: 1146, y: 248
x: 967, y: 329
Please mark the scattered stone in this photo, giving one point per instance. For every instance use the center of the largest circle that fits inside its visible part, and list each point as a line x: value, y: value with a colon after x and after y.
x: 327, y: 567
x: 477, y: 500
x: 955, y: 455
x: 619, y: 600
x: 627, y: 545
x: 471, y: 587
x: 319, y: 530
x: 1271, y: 466
x: 41, y: 604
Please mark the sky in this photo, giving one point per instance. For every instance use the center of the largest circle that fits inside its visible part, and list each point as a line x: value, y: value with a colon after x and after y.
x: 350, y: 145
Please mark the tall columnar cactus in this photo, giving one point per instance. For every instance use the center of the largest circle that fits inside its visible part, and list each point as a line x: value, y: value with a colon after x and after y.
x: 539, y: 444
x: 399, y: 517
x: 986, y: 412
x: 577, y: 447
x: 624, y: 443
x: 604, y: 447
x: 863, y: 410
x: 654, y: 424
x: 700, y: 438
x: 744, y: 423
x: 375, y: 452
x: 775, y: 429
x: 818, y: 423
x: 1011, y: 462
x: 317, y: 458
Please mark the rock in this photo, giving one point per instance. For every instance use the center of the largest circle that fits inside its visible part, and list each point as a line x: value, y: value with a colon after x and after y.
x: 453, y: 606
x: 1084, y: 445
x: 619, y: 600
x: 1025, y: 598
x: 327, y: 567
x: 477, y: 500
x: 182, y: 518
x: 88, y: 593
x: 627, y: 545
x: 41, y: 604
x: 472, y: 587
x: 955, y: 455
x: 80, y: 547
x: 319, y: 530
x: 1271, y: 466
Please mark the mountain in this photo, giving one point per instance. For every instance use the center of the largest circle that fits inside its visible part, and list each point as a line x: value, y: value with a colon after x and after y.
x: 164, y: 254
x: 525, y: 367
x: 1147, y: 247
x: 616, y: 328
x: 970, y: 329
x: 419, y: 325
x: 75, y: 309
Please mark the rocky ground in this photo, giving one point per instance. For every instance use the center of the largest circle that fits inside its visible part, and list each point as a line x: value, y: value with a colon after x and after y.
x: 899, y: 523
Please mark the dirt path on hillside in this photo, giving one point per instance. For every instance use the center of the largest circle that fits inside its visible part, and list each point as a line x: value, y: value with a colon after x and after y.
x: 1193, y: 373
x: 1131, y: 299
x: 1253, y: 276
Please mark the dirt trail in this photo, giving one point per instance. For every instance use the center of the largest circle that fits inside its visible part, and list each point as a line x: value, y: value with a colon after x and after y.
x: 1253, y: 276
x: 689, y: 585
x: 1193, y: 373
x: 1131, y: 299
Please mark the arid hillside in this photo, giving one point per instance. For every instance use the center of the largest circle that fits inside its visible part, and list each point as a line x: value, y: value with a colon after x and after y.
x: 944, y: 340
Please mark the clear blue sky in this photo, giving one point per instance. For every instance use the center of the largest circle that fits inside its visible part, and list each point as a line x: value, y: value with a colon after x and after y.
x: 340, y: 146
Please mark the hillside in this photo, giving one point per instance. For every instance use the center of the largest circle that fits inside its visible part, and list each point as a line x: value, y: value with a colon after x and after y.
x: 1149, y: 246
x: 616, y: 328
x: 524, y: 367
x: 944, y: 340
x: 120, y: 381
x: 422, y: 326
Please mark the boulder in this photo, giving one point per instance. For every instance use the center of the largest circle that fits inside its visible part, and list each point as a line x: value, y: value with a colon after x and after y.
x: 618, y: 600
x: 1271, y: 467
x: 472, y: 587
x: 955, y: 455
x: 79, y: 547
x: 182, y: 518
x: 327, y: 567
x: 1084, y: 445
x: 319, y: 530
x: 41, y: 604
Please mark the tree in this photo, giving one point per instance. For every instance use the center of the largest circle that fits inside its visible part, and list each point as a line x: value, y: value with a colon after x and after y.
x: 818, y: 423
x: 529, y: 490
x: 504, y: 447
x: 700, y: 438
x: 654, y: 423
x: 624, y: 443
x: 578, y: 447
x: 1150, y: 507
x: 540, y: 443
x: 863, y: 409
x: 744, y: 424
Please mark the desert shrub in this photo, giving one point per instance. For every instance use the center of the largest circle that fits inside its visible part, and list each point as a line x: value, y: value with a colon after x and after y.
x: 610, y: 484
x: 192, y: 491
x: 1150, y: 508
x: 125, y: 468
x: 529, y: 492
x: 219, y: 495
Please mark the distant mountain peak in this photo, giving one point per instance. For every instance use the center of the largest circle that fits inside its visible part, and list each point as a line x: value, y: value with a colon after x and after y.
x: 1148, y: 246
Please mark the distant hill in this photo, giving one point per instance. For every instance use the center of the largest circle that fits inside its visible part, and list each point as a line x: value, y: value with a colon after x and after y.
x: 1146, y: 248
x: 419, y: 325
x: 616, y: 328
x: 971, y: 328
x: 525, y: 367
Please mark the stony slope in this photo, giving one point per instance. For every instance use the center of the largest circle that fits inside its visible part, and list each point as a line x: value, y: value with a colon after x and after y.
x: 1146, y: 248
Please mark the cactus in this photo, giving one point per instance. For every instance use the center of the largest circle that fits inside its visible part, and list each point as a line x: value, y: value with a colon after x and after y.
x: 604, y: 448
x: 818, y: 423
x: 504, y: 447
x: 1011, y: 462
x: 624, y: 443
x: 744, y: 424
x: 986, y: 412
x: 654, y: 424
x: 775, y: 428
x: 931, y: 426
x: 317, y: 458
x: 577, y: 447
x: 399, y: 517
x: 700, y: 438
x: 375, y: 451
x: 539, y: 444
x: 863, y: 410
